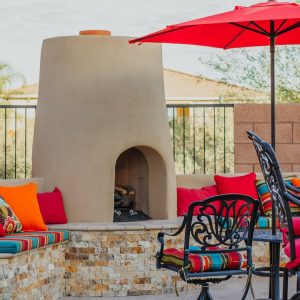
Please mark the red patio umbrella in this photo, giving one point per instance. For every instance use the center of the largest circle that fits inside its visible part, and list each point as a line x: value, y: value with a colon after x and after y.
x: 263, y: 24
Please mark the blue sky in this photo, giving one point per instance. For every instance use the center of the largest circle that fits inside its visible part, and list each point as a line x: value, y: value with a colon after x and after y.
x: 25, y: 23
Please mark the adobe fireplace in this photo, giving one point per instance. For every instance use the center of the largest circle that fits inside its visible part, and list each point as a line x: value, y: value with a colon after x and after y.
x: 102, y: 121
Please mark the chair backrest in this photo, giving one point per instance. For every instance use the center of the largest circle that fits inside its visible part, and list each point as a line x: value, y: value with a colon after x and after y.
x: 272, y: 174
x: 221, y: 221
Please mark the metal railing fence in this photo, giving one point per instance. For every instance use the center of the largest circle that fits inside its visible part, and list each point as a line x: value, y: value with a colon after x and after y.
x: 16, y: 136
x: 202, y: 138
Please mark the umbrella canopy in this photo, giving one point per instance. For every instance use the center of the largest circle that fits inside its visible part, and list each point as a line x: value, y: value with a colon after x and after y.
x: 242, y: 27
x: 263, y: 24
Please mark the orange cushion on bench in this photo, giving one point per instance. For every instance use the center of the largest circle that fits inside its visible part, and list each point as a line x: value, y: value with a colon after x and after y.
x: 23, y: 201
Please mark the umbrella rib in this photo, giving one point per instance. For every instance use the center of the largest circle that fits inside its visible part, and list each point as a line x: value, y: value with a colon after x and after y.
x: 259, y: 27
x: 158, y: 33
x: 249, y: 28
x: 294, y: 26
x: 235, y: 38
x: 261, y: 31
x: 280, y: 26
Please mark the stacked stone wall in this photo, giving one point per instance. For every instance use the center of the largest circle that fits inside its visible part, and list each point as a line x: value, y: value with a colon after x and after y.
x: 116, y: 263
x: 97, y: 263
x: 34, y: 275
x: 123, y: 263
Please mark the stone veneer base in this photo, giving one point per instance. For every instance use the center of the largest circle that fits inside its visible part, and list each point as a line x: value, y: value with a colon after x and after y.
x: 114, y: 259
x: 34, y: 275
x: 118, y: 259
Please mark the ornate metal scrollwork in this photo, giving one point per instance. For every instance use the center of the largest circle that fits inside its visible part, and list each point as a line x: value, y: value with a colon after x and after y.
x: 227, y: 226
x: 270, y: 175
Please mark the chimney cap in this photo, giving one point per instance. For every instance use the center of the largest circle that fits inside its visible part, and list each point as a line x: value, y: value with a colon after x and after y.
x: 94, y: 32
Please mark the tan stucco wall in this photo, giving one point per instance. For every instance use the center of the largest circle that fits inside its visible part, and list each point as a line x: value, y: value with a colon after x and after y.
x: 98, y: 97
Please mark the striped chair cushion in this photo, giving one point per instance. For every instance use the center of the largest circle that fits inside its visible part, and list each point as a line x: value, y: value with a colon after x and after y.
x: 266, y: 200
x: 18, y: 242
x: 262, y: 223
x: 205, y: 262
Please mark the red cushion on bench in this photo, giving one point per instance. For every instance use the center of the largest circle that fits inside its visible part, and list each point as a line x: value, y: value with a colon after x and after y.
x: 287, y: 250
x: 296, y: 225
x: 52, y: 207
x: 2, y: 232
x: 185, y: 197
x: 237, y: 185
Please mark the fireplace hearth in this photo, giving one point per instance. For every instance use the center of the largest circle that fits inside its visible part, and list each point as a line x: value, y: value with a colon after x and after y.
x: 129, y: 215
x: 131, y: 187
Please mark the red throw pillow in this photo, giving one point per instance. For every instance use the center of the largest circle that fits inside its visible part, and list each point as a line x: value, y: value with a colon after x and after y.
x: 185, y: 197
x: 287, y: 248
x: 237, y: 185
x: 296, y: 226
x: 2, y: 232
x: 52, y: 207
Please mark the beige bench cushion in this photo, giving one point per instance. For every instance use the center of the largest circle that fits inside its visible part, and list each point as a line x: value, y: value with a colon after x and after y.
x: 12, y: 182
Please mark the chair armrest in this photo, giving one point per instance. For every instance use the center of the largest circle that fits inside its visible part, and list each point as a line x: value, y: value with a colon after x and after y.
x: 292, y: 198
x: 161, y: 235
x: 294, y: 195
x: 292, y: 188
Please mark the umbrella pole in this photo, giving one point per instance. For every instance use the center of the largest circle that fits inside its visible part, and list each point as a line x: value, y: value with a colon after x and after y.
x: 273, y: 138
x: 272, y: 61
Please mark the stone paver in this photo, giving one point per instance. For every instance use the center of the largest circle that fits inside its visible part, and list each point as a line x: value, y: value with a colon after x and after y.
x: 230, y: 290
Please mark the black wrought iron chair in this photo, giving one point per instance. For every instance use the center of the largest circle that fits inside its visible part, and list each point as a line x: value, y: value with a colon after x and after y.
x: 282, y: 198
x: 217, y: 242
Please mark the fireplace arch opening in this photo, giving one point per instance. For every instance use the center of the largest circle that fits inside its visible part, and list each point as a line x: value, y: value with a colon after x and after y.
x: 140, y: 185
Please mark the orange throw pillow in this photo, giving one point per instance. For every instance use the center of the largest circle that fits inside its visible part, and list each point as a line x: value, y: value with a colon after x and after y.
x: 23, y: 201
x: 296, y: 182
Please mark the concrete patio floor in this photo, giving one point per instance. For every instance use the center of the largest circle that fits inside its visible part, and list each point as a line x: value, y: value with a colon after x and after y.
x: 230, y: 290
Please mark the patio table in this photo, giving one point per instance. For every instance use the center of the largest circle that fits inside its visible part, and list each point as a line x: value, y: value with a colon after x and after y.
x: 273, y: 270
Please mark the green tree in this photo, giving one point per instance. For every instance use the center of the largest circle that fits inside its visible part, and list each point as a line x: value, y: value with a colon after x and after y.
x: 12, y: 129
x: 202, y: 139
x: 8, y: 76
x: 251, y: 68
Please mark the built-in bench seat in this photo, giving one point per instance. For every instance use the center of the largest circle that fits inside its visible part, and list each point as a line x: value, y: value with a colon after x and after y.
x: 100, y: 259
x: 24, y: 241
